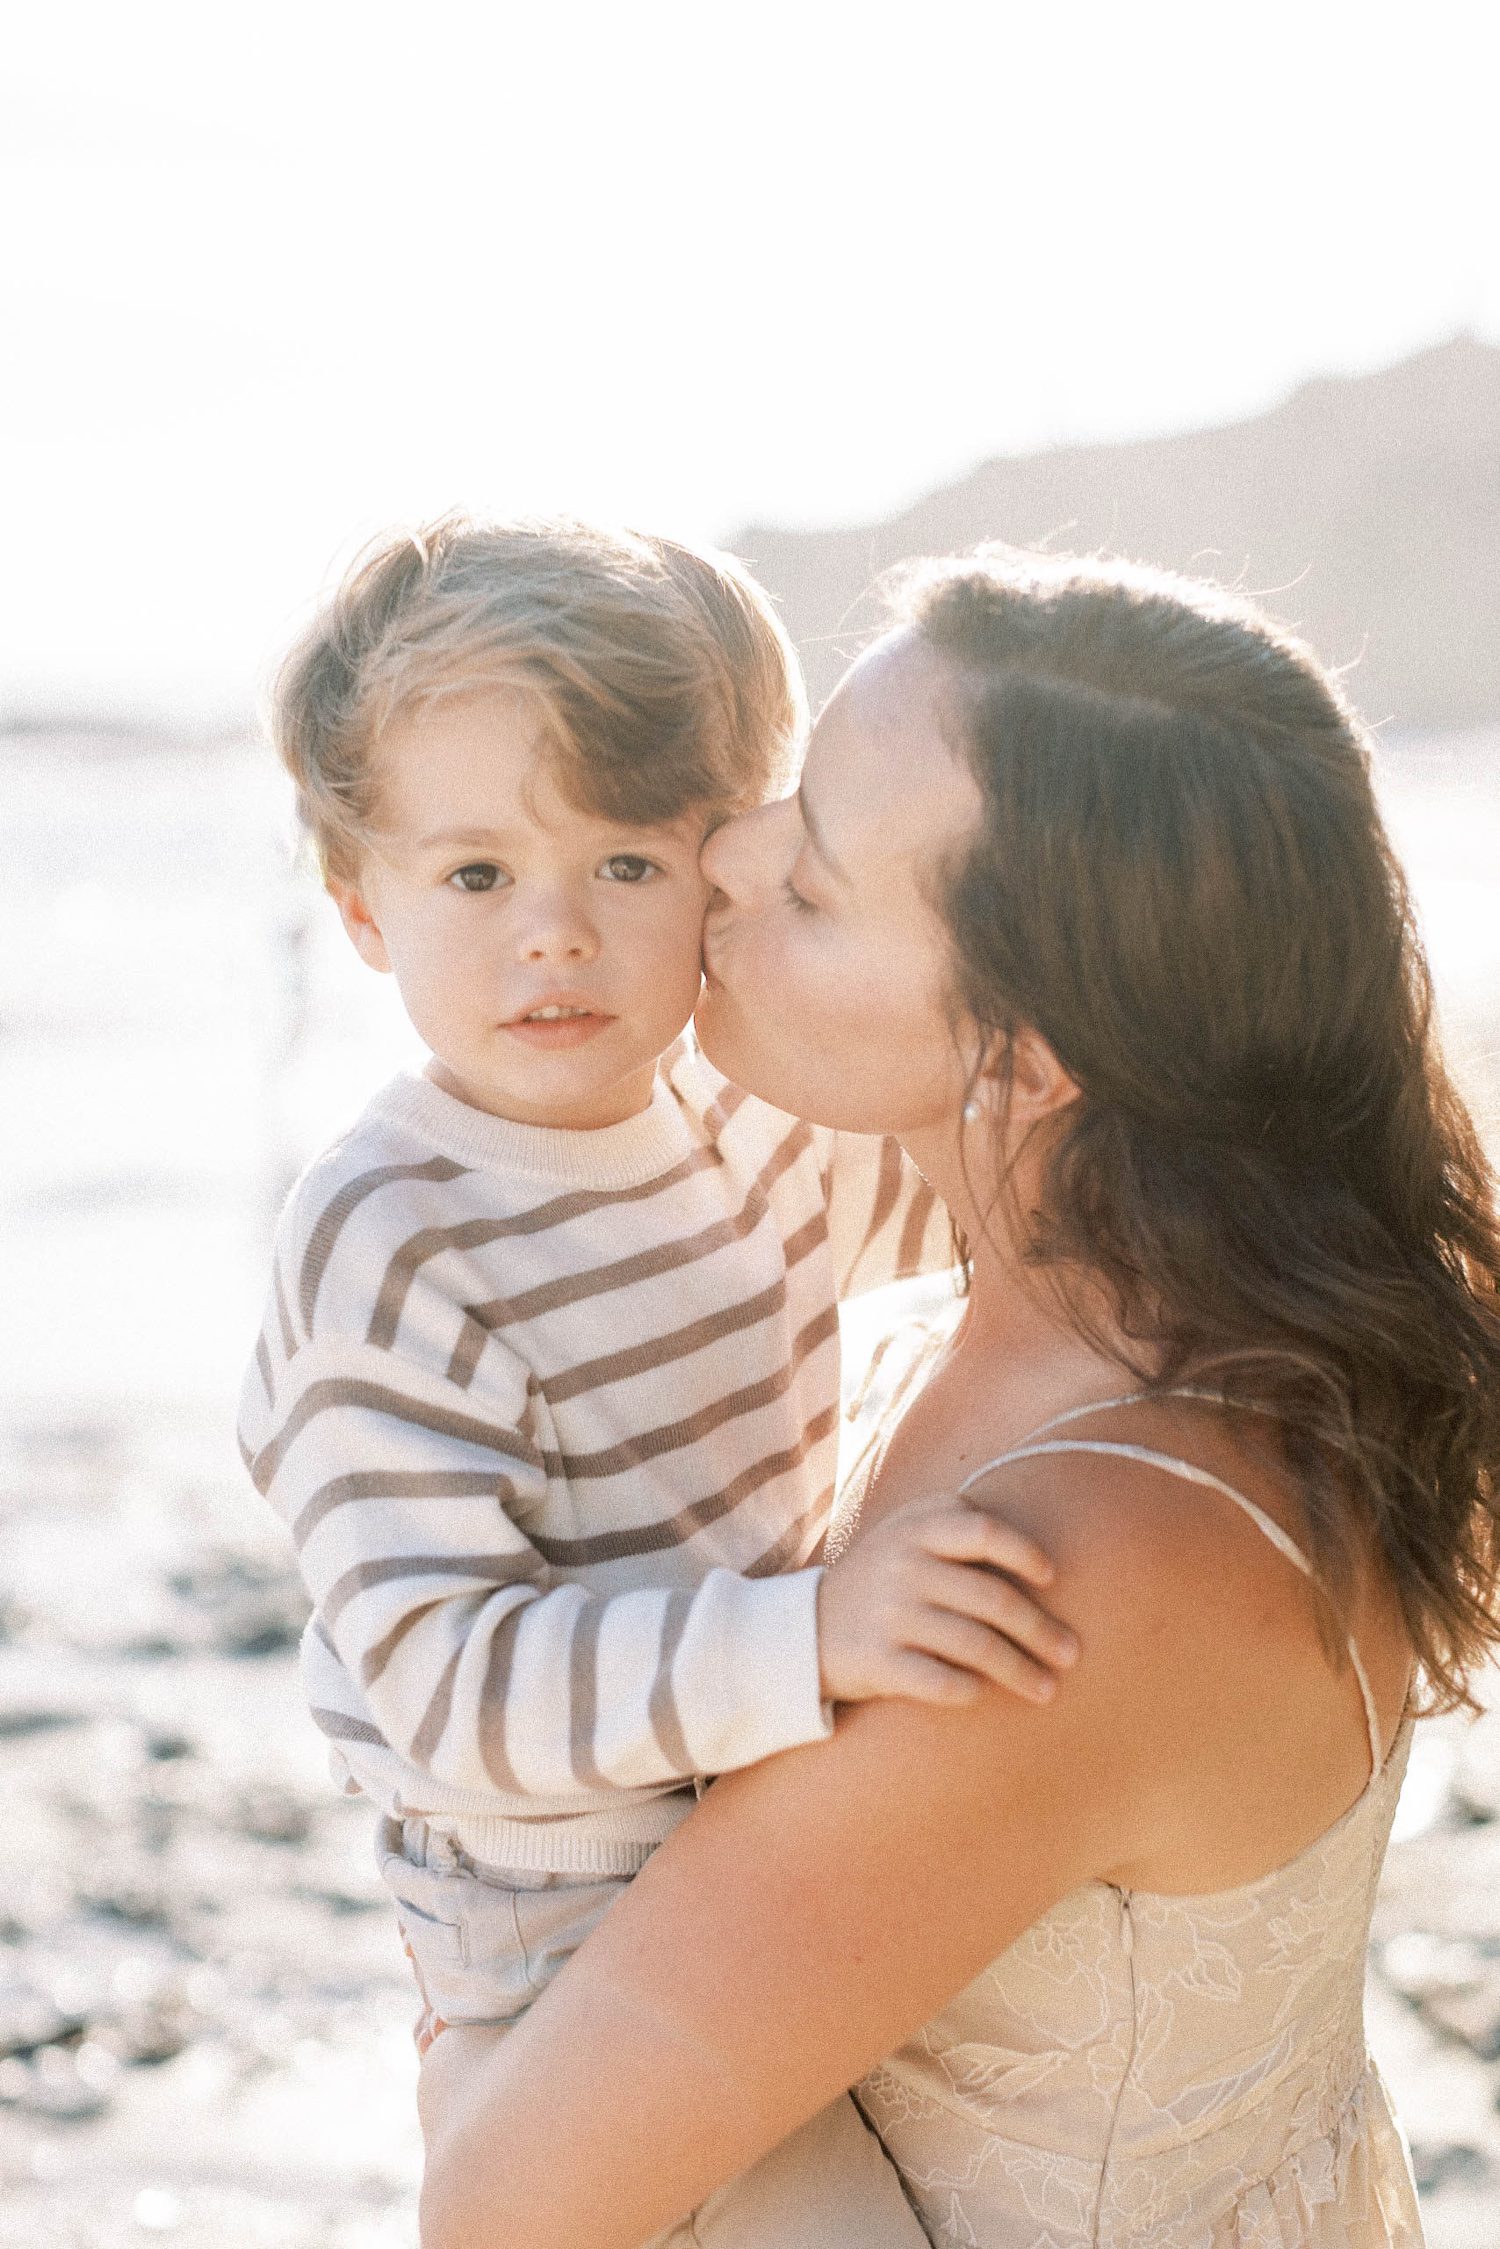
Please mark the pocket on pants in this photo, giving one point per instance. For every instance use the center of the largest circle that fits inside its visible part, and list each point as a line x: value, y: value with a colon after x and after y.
x: 429, y: 1907
x: 552, y: 1923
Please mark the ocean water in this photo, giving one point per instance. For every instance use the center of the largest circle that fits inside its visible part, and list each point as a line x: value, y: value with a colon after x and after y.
x: 183, y: 1023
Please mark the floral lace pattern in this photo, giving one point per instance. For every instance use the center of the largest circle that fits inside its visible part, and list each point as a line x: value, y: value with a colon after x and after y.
x: 1142, y: 2071
x: 1151, y: 2072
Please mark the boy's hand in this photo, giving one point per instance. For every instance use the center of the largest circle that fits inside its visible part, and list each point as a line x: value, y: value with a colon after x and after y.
x: 919, y: 1608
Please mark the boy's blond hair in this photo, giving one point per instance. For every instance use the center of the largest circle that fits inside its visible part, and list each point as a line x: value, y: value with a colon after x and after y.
x: 665, y: 679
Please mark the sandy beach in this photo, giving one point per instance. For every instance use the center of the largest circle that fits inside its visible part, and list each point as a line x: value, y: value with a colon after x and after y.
x: 204, y: 2012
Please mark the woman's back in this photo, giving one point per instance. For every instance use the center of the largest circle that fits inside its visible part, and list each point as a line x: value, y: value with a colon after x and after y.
x: 1168, y: 2071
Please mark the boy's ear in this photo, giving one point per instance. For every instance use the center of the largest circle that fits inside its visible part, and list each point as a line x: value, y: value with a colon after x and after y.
x: 357, y: 919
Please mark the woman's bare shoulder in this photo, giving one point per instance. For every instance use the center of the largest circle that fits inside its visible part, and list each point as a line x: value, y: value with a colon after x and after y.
x: 1210, y: 1688
x: 1142, y: 1500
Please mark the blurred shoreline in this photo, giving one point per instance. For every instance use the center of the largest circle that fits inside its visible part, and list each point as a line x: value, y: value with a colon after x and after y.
x: 204, y: 2013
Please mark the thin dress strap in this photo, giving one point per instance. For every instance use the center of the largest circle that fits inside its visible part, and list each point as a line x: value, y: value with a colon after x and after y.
x: 1189, y: 1473
x: 1149, y: 1398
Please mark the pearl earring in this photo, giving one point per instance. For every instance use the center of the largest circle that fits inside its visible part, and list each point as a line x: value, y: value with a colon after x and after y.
x: 972, y: 1112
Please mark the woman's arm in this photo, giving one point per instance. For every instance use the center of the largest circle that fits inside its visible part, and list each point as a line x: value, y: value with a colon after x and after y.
x: 811, y: 1914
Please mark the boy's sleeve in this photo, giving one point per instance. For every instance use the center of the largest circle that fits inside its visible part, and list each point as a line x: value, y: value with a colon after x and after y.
x: 478, y: 1655
x: 884, y: 1222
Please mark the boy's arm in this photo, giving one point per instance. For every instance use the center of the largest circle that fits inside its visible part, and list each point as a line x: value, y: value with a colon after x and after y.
x: 476, y: 1657
x: 884, y: 1222
x: 483, y: 1667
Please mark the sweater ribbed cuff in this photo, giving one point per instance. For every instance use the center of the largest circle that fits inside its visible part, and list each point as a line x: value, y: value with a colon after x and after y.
x: 747, y: 1674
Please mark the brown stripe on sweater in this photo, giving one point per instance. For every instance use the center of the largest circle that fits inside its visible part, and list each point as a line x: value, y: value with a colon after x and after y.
x: 263, y: 1361
x: 332, y: 1220
x: 288, y: 1334
x: 796, y: 1541
x: 476, y: 1233
x: 488, y: 1573
x: 877, y: 1361
x: 340, y: 1392
x: 673, y: 1436
x: 664, y: 1350
x: 666, y: 1722
x: 481, y: 1320
x: 583, y: 1672
x: 887, y: 1189
x: 720, y: 1110
x: 806, y: 1238
x: 676, y: 1530
x: 785, y: 1153
x: 492, y: 1701
x: 914, y: 1232
x: 915, y: 1373
x: 337, y: 1727
x: 374, y: 1660
x: 430, y: 1732
x: 389, y: 1483
x: 877, y: 1438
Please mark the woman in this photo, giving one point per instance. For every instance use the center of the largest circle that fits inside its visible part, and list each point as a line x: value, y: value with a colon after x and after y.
x: 1085, y: 896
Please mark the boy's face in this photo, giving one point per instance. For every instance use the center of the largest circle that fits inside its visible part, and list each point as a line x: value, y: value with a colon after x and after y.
x: 496, y: 903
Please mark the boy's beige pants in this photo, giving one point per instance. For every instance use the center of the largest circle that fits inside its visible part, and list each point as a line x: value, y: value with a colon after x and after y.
x: 486, y: 1941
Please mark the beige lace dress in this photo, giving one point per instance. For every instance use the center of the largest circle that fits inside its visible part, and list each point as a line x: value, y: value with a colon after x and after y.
x: 1157, y: 2072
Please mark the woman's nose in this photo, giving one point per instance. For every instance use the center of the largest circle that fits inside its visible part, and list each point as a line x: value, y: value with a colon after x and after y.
x: 740, y: 858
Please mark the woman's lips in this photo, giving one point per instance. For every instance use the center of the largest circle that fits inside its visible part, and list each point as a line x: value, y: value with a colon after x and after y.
x: 559, y: 1034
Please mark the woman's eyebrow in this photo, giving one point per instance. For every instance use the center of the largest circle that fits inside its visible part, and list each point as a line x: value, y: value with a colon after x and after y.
x: 816, y: 838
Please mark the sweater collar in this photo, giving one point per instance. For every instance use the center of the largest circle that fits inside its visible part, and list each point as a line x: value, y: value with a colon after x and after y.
x: 621, y: 1155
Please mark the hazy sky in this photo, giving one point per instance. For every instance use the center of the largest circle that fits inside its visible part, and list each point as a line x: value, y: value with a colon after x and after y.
x: 275, y: 276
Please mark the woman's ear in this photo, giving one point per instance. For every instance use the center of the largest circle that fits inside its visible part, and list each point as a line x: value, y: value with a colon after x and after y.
x: 1038, y: 1080
x: 364, y: 934
x: 1021, y: 1074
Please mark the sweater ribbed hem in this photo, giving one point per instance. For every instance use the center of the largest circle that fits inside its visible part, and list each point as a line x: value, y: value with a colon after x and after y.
x: 590, y: 1843
x: 612, y: 1156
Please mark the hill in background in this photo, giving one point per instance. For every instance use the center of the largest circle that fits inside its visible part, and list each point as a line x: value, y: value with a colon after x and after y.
x: 1364, y: 511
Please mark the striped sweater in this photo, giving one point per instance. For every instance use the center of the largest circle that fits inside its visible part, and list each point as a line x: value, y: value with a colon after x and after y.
x: 552, y: 1418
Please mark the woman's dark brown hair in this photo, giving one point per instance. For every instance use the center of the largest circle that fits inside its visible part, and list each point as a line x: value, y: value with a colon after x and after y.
x: 1181, y: 879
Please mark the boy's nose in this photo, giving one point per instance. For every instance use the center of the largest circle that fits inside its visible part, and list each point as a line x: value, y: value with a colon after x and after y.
x: 557, y: 930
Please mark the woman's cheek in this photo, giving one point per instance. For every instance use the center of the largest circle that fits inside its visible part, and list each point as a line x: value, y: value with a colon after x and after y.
x: 815, y: 983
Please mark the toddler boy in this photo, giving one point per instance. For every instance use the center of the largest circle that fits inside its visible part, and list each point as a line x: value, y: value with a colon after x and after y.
x: 547, y: 1392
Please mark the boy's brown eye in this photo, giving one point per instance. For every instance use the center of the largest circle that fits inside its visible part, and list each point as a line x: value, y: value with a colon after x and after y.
x: 628, y: 866
x: 480, y: 874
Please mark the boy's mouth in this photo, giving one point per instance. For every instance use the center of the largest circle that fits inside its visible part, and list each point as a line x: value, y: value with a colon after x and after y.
x: 557, y: 1024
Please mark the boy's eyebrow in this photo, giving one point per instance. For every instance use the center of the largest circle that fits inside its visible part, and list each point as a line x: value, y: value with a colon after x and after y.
x: 451, y: 839
x: 816, y: 838
x: 451, y: 836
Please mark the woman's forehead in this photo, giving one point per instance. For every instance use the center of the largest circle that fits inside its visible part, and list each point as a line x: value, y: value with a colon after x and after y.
x: 881, y: 776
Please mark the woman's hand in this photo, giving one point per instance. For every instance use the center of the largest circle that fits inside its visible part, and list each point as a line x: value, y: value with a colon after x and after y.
x: 930, y: 1602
